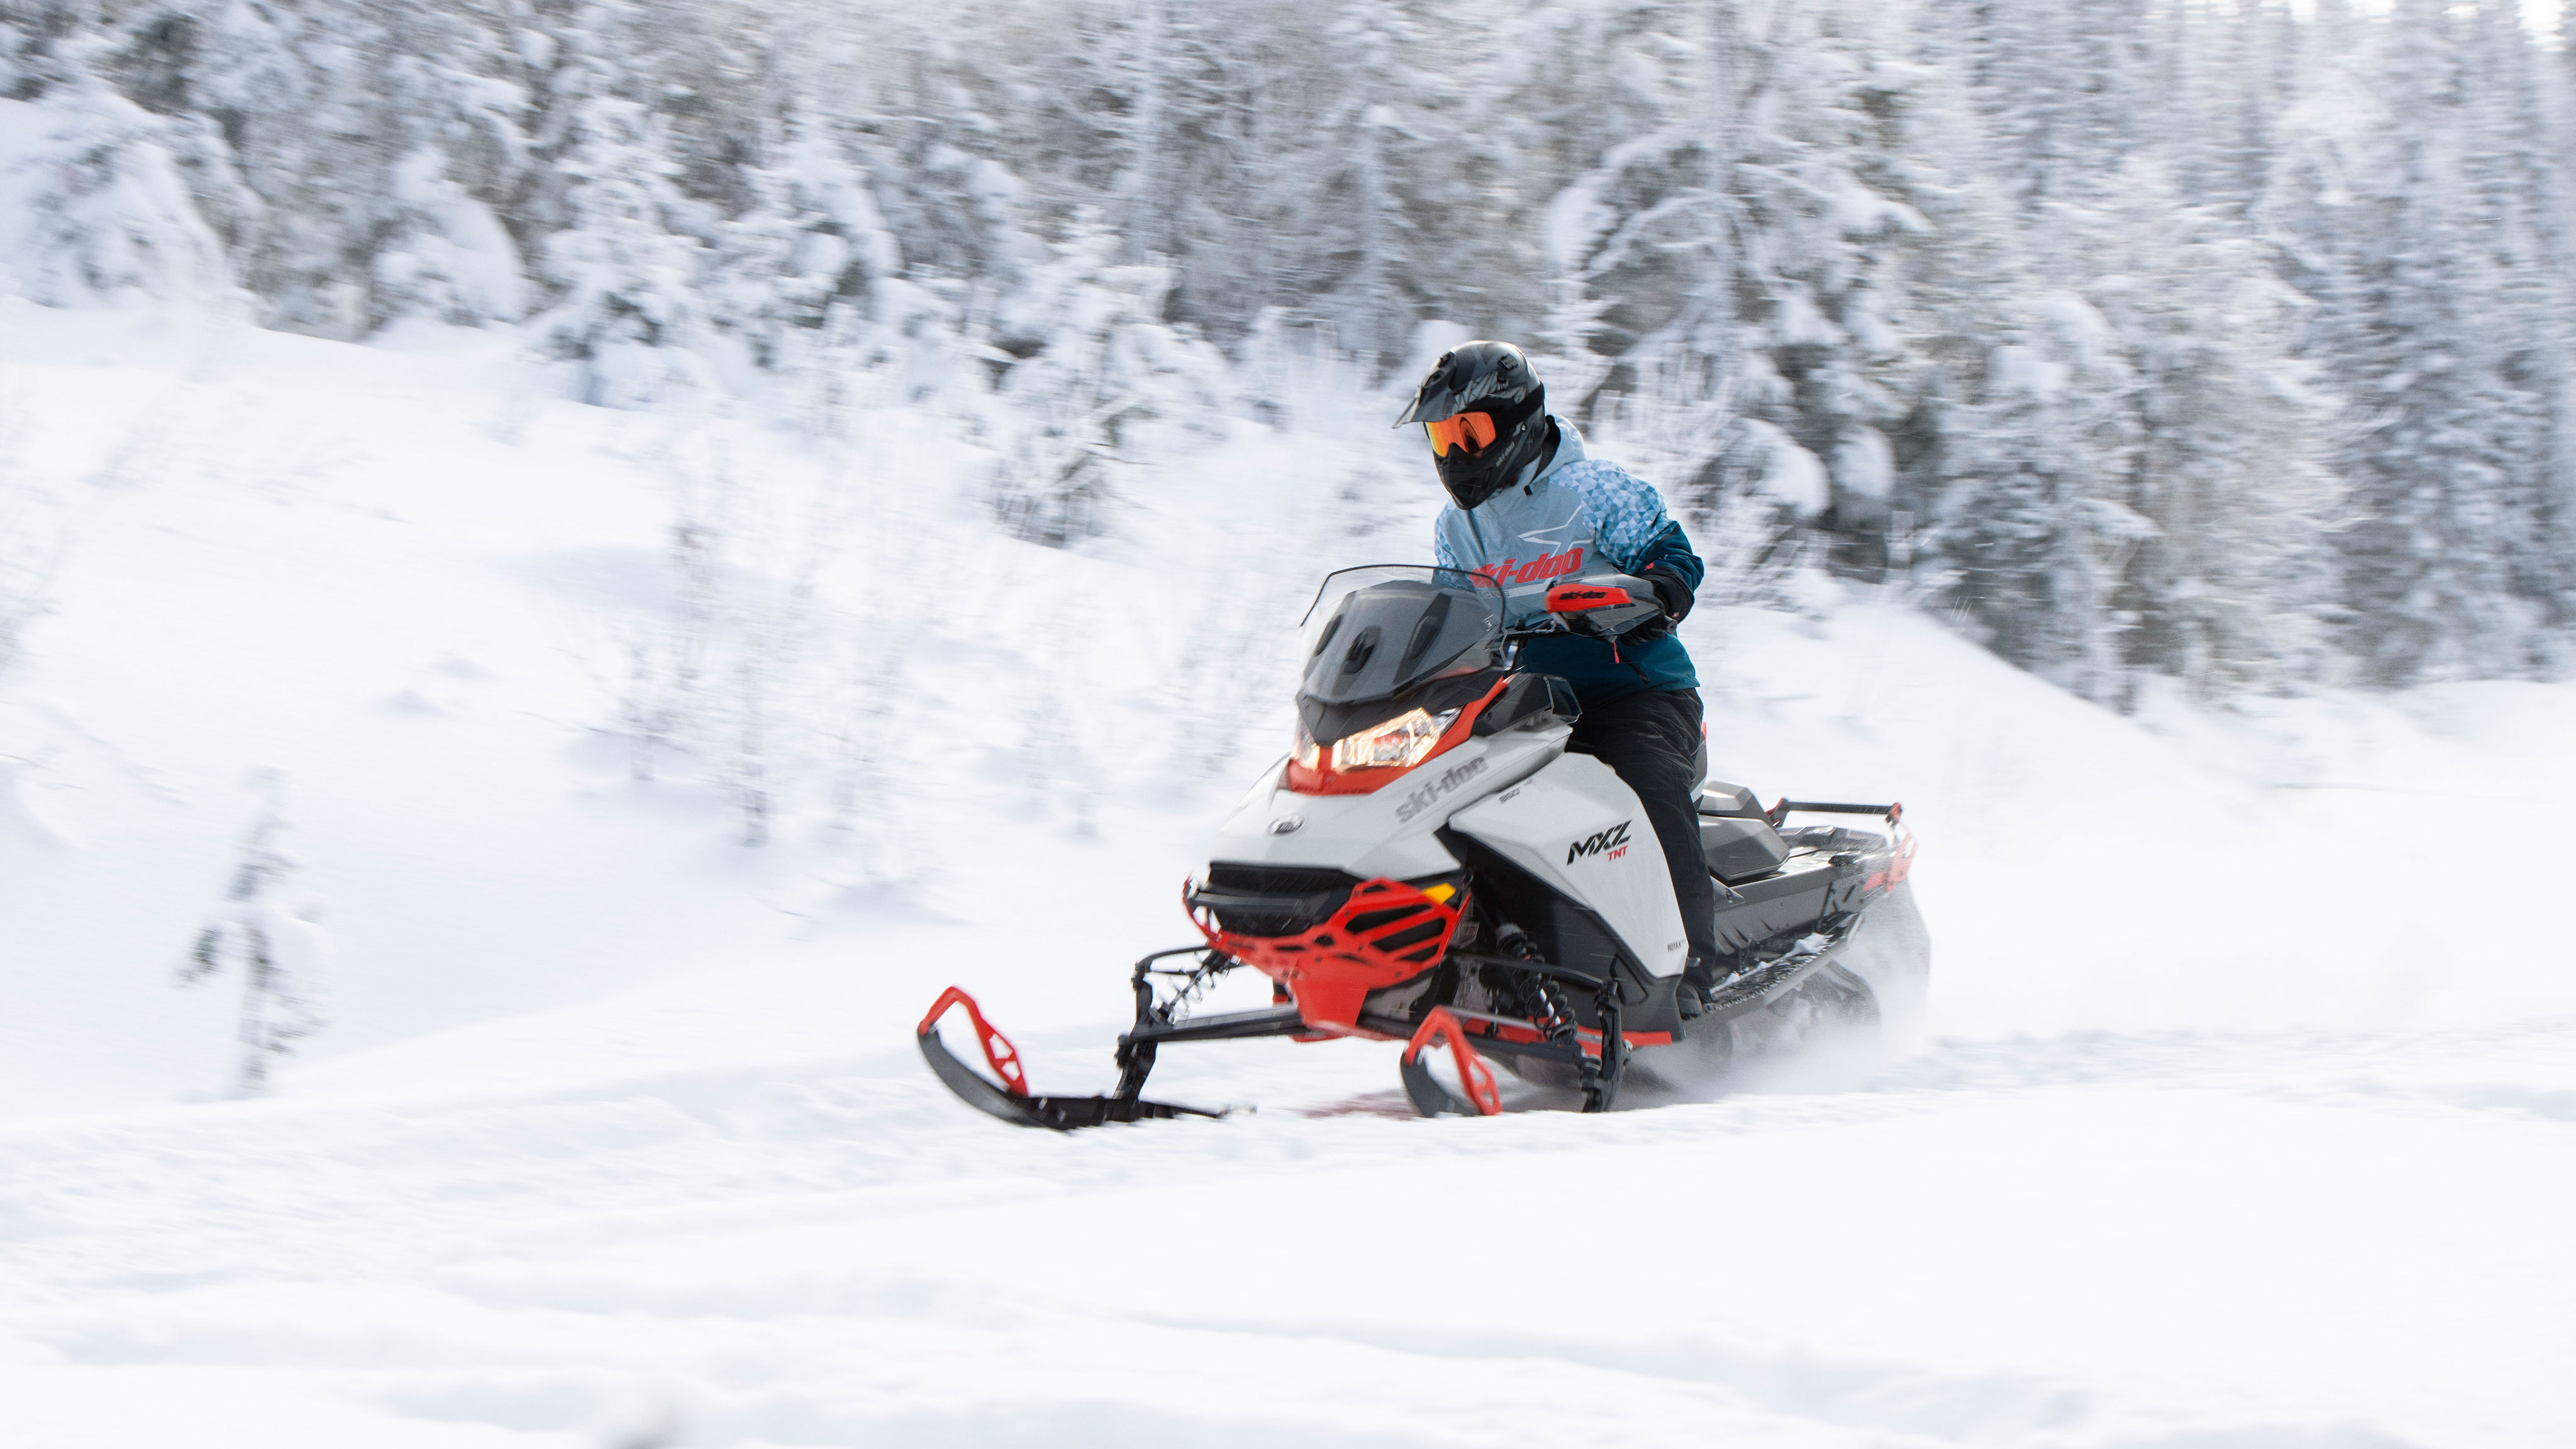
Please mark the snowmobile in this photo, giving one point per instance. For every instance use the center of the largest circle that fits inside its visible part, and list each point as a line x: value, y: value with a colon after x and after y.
x: 1432, y: 865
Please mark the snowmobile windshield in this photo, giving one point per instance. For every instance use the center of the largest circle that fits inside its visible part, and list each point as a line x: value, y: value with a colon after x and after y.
x: 1376, y: 632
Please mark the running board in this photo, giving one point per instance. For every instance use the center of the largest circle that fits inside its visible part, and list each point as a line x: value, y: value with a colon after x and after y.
x: 1773, y: 979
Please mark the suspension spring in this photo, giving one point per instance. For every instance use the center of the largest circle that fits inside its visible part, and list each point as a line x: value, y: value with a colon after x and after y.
x: 1549, y: 1013
x: 1193, y: 983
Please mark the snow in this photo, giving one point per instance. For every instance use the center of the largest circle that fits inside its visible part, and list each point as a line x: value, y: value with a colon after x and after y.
x: 2242, y: 1117
x: 459, y: 262
x: 1864, y: 465
x: 1791, y: 476
x: 98, y: 210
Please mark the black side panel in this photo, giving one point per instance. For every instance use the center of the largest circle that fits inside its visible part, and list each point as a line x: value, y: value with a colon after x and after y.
x: 1525, y: 700
x: 1775, y: 903
x: 1566, y: 933
x: 1560, y: 697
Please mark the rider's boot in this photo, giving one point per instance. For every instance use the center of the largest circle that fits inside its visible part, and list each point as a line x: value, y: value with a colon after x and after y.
x: 1698, y: 984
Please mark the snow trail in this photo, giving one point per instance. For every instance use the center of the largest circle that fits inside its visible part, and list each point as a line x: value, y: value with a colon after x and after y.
x: 2102, y: 1239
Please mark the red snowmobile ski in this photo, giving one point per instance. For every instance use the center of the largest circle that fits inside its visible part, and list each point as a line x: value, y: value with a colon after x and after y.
x: 1430, y: 865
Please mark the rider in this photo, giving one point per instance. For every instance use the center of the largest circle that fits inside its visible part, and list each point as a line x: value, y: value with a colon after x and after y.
x: 1529, y: 509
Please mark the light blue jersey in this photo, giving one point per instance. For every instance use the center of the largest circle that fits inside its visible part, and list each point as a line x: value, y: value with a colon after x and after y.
x: 1577, y: 516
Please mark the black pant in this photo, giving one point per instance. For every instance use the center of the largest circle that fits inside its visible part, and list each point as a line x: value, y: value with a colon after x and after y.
x: 1652, y: 740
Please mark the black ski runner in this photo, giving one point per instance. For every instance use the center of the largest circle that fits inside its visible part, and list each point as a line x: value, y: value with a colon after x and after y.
x: 1011, y: 1101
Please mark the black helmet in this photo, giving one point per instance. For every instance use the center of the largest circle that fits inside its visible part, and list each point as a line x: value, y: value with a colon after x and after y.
x: 1487, y: 417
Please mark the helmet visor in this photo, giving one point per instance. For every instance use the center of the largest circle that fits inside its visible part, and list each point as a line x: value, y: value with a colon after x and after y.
x: 1467, y: 433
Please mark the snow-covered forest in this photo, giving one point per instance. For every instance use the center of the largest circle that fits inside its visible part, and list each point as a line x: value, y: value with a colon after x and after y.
x: 2148, y: 338
x: 567, y: 565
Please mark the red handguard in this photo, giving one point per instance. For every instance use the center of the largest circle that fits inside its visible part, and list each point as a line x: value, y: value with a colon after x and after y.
x: 1578, y: 598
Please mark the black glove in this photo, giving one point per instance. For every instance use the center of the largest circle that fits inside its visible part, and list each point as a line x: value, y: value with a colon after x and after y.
x: 1673, y: 593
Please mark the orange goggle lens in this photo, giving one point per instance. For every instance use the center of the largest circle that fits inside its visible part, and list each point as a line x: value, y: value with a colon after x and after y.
x: 1469, y: 433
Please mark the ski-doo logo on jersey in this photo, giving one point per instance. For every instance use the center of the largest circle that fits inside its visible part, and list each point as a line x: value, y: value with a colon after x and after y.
x: 1609, y: 844
x: 1509, y: 572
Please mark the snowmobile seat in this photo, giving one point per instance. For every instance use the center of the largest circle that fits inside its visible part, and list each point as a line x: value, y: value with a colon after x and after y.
x: 1740, y: 848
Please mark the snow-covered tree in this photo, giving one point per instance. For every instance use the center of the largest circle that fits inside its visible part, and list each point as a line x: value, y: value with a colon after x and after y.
x: 99, y: 208
x: 35, y: 536
x: 630, y: 313
x: 2033, y: 527
x: 451, y: 259
x: 1862, y: 225
x: 269, y: 939
x: 812, y: 240
x: 1100, y: 362
x: 2235, y: 585
x: 2419, y: 322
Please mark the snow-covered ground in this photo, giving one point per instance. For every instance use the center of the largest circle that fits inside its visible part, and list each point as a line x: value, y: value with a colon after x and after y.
x: 2245, y: 1117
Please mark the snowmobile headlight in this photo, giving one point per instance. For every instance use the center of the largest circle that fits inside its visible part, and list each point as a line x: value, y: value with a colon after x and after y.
x: 1401, y: 743
x: 1307, y: 754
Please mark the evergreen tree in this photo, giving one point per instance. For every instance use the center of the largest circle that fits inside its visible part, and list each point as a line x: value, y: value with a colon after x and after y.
x: 2033, y: 529
x: 1401, y: 173
x: 810, y: 241
x: 2234, y: 586
x: 1100, y: 363
x: 2445, y: 518
x: 628, y: 312
x: 271, y: 944
x: 2035, y: 274
x: 104, y: 210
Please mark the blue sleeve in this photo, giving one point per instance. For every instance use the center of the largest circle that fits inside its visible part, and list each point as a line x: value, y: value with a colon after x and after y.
x: 1629, y: 523
x: 1671, y: 548
x: 1441, y: 553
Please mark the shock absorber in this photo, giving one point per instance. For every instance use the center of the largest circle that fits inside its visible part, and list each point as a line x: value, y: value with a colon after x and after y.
x: 1548, y: 1010
x: 1548, y: 1013
x: 1547, y: 1003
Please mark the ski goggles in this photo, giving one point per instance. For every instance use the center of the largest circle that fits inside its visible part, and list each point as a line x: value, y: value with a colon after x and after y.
x: 1468, y: 433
